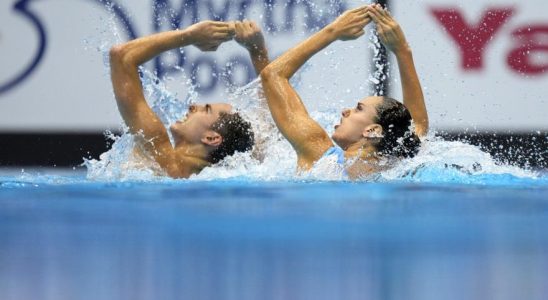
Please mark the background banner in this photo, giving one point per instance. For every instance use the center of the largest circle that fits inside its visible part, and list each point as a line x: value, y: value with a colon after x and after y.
x: 483, y: 63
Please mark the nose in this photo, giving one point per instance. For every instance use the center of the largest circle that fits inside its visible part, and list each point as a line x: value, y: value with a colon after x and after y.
x: 345, y: 113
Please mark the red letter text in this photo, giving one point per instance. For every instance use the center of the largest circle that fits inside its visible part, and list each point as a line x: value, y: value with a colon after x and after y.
x: 533, y: 39
x: 472, y: 39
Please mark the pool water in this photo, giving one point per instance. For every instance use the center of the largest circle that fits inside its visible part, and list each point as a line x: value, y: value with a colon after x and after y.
x: 63, y: 236
x: 450, y: 223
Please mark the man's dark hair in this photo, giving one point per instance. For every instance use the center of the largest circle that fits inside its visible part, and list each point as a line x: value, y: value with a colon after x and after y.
x: 399, y: 140
x: 237, y: 136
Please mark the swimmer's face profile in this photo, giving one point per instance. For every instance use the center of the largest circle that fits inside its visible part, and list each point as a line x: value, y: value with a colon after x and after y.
x: 195, y: 126
x: 357, y: 122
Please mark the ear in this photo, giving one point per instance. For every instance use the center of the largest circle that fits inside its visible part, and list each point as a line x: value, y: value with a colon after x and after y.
x: 372, y: 131
x: 212, y: 138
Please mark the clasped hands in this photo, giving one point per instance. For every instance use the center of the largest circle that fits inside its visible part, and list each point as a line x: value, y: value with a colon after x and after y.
x: 209, y: 35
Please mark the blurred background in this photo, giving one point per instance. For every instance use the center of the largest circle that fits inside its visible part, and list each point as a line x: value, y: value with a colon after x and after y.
x: 483, y: 65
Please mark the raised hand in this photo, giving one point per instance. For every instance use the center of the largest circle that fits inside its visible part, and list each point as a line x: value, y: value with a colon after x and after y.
x: 389, y: 31
x: 208, y: 35
x: 249, y: 35
x: 349, y: 25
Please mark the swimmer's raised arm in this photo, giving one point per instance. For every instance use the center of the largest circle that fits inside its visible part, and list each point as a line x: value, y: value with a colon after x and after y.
x: 138, y: 116
x: 249, y: 35
x: 307, y: 137
x: 348, y: 26
x: 392, y: 37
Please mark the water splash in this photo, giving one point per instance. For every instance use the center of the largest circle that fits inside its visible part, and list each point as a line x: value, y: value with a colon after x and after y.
x: 441, y: 161
x: 381, y: 66
x: 273, y: 158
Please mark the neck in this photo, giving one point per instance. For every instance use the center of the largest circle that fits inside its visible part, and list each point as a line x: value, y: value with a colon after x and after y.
x: 197, y: 155
x: 361, y: 149
x: 365, y: 155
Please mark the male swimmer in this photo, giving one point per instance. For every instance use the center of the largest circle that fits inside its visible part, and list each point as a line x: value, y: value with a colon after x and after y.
x: 378, y: 128
x: 209, y: 132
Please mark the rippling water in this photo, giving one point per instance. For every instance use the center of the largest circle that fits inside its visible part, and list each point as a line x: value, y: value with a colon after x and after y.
x: 66, y: 237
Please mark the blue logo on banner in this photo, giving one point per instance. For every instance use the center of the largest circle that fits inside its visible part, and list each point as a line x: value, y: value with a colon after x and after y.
x: 22, y: 8
x: 164, y: 10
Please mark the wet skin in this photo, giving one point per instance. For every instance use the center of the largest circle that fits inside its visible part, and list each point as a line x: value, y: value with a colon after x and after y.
x: 195, y: 139
x: 357, y: 133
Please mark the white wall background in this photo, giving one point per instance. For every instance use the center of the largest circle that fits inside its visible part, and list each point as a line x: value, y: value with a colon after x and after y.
x: 494, y: 97
x: 70, y: 89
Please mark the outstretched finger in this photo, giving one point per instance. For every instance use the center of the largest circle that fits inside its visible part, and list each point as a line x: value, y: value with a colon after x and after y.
x: 384, y: 13
x: 373, y: 16
x: 219, y: 23
x: 226, y: 32
x: 362, y: 13
x: 377, y: 17
x: 222, y: 37
x: 229, y: 27
x: 378, y: 6
x: 359, y: 9
x: 364, y: 22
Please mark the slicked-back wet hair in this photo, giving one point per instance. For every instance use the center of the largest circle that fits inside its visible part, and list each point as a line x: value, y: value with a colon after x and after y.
x: 399, y: 140
x: 237, y: 136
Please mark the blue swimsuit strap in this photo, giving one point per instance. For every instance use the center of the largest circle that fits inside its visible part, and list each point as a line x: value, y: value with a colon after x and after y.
x: 335, y: 150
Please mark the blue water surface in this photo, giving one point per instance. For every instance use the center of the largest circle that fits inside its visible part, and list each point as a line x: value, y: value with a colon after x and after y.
x: 64, y: 237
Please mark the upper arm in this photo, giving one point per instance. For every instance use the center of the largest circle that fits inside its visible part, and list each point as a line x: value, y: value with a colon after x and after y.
x: 307, y: 137
x: 413, y: 97
x: 137, y: 114
x: 417, y: 109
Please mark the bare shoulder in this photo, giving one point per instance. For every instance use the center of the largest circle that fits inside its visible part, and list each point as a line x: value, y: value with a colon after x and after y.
x: 313, y: 144
x: 182, y: 166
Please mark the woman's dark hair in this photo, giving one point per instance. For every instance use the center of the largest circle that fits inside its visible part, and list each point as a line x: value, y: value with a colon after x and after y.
x: 399, y: 140
x: 237, y: 136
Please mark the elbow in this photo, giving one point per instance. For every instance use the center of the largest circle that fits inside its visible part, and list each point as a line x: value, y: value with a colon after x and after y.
x: 117, y: 53
x: 270, y: 73
x: 267, y: 73
x: 119, y: 56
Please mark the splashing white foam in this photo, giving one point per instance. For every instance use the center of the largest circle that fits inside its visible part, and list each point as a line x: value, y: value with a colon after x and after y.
x: 272, y: 157
x: 451, y: 161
